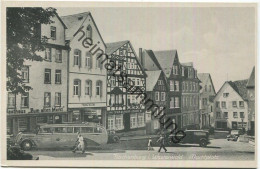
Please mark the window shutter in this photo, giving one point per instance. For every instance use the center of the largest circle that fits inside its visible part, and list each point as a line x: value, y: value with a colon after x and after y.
x: 90, y: 88
x: 79, y: 58
x: 101, y: 88
x: 79, y: 88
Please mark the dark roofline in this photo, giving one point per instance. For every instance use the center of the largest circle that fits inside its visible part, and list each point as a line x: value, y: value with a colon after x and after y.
x: 126, y: 41
x: 212, y: 83
x: 60, y: 20
x: 153, y: 57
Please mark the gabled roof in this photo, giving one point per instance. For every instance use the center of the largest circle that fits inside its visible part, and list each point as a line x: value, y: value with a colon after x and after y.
x: 251, y: 80
x: 112, y: 47
x: 152, y: 78
x: 153, y: 57
x: 61, y: 20
x: 166, y: 59
x: 74, y: 22
x: 204, y: 77
x: 240, y: 87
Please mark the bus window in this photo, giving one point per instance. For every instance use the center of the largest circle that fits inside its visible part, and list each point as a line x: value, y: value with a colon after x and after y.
x: 69, y: 129
x: 86, y: 129
x: 46, y: 130
x: 60, y: 130
x: 76, y: 129
x: 97, y: 130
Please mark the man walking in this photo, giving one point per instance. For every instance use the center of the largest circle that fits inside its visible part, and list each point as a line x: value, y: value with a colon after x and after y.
x: 161, y: 140
x: 80, y: 144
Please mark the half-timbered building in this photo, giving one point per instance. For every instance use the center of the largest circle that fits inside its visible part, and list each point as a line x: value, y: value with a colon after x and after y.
x: 124, y: 109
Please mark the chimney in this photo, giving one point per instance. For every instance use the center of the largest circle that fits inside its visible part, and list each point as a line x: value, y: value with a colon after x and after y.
x: 141, y: 57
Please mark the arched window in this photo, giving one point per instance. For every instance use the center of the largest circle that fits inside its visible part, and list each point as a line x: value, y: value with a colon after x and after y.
x: 76, y: 87
x: 99, y: 88
x: 88, y: 60
x: 88, y: 87
x: 77, y: 57
x: 89, y: 32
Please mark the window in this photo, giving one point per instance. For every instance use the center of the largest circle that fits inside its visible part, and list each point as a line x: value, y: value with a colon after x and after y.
x: 88, y: 61
x: 58, y: 55
x: 76, y: 88
x: 218, y: 115
x: 157, y: 96
x: 47, y: 99
x: 47, y: 76
x: 225, y: 95
x: 225, y: 114
x: 160, y: 82
x: 99, y: 88
x: 53, y: 32
x: 77, y: 57
x: 89, y: 32
x: 194, y: 88
x: 182, y: 71
x: 171, y: 85
x: 176, y: 85
x: 156, y: 124
x: 241, y: 104
x: 140, y: 120
x: 58, y: 77
x: 172, y: 102
x: 88, y: 88
x: 57, y: 99
x: 234, y: 103
x: 112, y: 81
x: 242, y: 115
x: 162, y: 96
x: 25, y: 100
x: 48, y: 54
x: 223, y: 104
x: 87, y: 130
x: 137, y: 82
x: 204, y: 101
x: 183, y: 86
x: 119, y: 122
x: 176, y: 99
x: 133, y: 121
x: 235, y: 115
x: 175, y: 70
x: 99, y: 60
x: 217, y: 103
x: 111, y: 122
x: 25, y: 74
x: 11, y: 100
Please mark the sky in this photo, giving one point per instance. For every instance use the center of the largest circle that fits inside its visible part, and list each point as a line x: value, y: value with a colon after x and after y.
x: 218, y: 40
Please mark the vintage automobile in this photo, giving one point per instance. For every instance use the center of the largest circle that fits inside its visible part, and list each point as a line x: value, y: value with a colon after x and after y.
x: 234, y: 134
x: 62, y: 136
x: 113, y: 137
x: 200, y: 137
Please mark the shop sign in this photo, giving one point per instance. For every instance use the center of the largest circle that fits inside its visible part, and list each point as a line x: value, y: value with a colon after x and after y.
x: 88, y: 104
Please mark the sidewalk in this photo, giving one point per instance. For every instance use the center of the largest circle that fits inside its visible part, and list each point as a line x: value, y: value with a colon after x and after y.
x: 126, y: 138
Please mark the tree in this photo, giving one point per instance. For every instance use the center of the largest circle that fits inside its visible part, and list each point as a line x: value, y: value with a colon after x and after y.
x: 24, y: 40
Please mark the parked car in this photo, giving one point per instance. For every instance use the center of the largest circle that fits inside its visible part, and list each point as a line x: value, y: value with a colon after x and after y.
x: 200, y: 137
x: 113, y: 137
x: 234, y: 134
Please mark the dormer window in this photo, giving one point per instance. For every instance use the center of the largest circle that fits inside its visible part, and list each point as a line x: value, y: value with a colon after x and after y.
x: 175, y: 70
x: 225, y: 95
x: 79, y: 18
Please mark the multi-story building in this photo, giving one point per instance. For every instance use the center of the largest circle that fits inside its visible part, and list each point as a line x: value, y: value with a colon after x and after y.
x: 183, y: 97
x: 47, y: 101
x: 230, y: 106
x: 251, y: 101
x: 124, y: 109
x: 190, y: 96
x: 87, y: 75
x: 207, y: 94
x: 156, y: 90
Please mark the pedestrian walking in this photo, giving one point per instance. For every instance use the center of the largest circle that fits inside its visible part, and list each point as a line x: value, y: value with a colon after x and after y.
x: 161, y: 140
x: 80, y: 144
x: 150, y: 144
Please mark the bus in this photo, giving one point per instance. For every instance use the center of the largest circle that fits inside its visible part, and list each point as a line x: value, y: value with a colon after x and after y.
x: 62, y: 136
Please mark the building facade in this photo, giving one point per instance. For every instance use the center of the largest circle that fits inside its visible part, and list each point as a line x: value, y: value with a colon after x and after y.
x: 190, y: 96
x: 207, y: 94
x: 251, y: 101
x: 231, y: 106
x: 47, y: 101
x: 124, y: 109
x: 156, y: 90
x: 87, y: 75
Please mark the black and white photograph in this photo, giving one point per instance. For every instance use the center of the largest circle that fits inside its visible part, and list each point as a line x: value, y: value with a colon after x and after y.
x: 143, y: 82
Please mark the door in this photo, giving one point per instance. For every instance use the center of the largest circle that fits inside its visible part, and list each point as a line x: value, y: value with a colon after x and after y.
x: 126, y: 119
x: 234, y: 125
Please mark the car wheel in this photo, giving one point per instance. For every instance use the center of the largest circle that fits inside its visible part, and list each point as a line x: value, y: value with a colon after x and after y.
x: 203, y: 143
x: 116, y: 139
x: 26, y: 145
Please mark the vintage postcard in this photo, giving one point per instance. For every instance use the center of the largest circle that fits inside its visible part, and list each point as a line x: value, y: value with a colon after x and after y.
x: 118, y: 84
